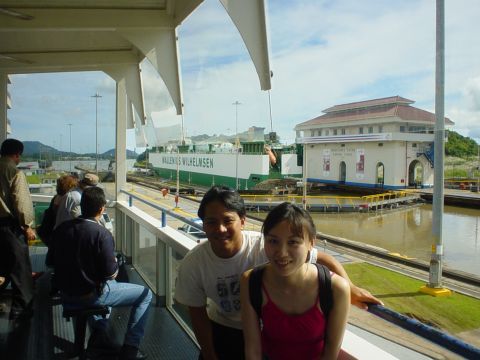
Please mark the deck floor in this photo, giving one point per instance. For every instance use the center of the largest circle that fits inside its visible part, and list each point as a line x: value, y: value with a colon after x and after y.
x: 49, y: 336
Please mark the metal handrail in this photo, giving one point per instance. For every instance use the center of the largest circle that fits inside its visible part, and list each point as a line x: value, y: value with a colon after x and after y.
x: 446, y: 341
x: 164, y: 211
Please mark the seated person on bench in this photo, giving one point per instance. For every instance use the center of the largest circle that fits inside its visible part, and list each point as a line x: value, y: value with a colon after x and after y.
x: 85, y: 270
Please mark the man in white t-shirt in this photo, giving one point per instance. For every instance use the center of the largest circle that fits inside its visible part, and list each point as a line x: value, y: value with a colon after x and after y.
x: 209, y: 276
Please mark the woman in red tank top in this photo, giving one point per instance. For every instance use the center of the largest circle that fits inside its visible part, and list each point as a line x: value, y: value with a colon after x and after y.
x: 292, y: 324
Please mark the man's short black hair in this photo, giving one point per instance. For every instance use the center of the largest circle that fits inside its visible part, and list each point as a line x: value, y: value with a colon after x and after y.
x: 230, y: 198
x: 93, y: 198
x: 11, y: 147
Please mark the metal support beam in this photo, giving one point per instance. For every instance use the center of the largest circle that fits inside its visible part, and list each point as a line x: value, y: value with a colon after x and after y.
x: 121, y: 139
x: 69, y: 61
x: 3, y: 106
x: 161, y: 49
x: 249, y: 16
x: 87, y: 19
x: 133, y: 85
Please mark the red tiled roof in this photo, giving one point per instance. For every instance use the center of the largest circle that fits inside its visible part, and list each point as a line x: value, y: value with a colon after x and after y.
x: 395, y: 106
x: 369, y: 103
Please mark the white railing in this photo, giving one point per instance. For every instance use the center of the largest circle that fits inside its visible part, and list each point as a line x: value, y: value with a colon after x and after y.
x: 156, y: 250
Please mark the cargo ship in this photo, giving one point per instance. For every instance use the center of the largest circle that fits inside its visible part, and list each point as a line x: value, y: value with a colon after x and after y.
x: 242, y: 165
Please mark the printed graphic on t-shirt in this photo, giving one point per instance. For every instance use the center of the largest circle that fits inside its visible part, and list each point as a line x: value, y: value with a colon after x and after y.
x: 228, y: 290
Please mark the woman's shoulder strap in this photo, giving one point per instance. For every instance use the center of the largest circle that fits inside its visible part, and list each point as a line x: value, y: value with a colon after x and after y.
x: 255, y: 289
x: 325, y: 289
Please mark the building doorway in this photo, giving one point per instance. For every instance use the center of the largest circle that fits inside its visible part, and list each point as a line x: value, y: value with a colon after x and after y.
x: 380, y: 177
x: 415, y: 174
x: 343, y: 172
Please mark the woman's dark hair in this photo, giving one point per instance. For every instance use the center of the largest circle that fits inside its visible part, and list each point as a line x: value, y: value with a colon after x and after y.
x: 11, y: 147
x: 93, y: 198
x: 300, y: 221
x: 230, y: 198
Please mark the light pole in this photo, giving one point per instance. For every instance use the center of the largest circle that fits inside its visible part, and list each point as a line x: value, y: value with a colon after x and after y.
x: 96, y: 96
x: 434, y: 286
x: 478, y: 167
x: 237, y: 142
x: 70, y: 125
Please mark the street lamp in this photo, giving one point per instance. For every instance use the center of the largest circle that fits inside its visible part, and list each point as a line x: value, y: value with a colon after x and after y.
x: 478, y: 167
x: 237, y: 142
x: 70, y: 125
x: 96, y: 96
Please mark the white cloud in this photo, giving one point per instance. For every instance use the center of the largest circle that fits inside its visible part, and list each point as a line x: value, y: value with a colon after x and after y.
x: 466, y: 111
x: 472, y: 93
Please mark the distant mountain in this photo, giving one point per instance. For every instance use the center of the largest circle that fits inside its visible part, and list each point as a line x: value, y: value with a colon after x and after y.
x: 36, y: 149
x: 111, y: 153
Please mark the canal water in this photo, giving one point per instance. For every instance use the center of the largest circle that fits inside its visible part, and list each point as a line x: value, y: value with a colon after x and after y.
x: 408, y: 231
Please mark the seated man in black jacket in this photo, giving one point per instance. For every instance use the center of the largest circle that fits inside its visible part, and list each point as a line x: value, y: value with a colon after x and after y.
x: 85, y: 270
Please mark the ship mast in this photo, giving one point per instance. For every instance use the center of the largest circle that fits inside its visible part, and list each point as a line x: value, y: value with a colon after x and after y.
x: 237, y: 142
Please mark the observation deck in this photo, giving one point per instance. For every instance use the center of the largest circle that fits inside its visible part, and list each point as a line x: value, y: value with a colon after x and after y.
x: 143, y: 233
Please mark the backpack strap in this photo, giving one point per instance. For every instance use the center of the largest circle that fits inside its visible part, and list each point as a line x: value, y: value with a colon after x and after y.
x: 325, y: 289
x: 255, y: 289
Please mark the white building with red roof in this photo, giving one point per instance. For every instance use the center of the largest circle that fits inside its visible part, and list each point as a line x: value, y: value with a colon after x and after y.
x: 383, y: 143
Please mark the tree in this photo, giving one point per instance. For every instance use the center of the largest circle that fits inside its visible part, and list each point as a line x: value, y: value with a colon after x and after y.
x: 460, y: 146
x: 143, y: 156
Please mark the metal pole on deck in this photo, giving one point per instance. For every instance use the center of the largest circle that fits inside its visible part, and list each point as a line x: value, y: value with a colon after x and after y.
x: 304, y: 199
x: 70, y: 125
x: 478, y: 168
x: 270, y: 108
x: 177, y: 192
x: 182, y: 142
x: 434, y: 285
x: 96, y: 96
x: 237, y: 142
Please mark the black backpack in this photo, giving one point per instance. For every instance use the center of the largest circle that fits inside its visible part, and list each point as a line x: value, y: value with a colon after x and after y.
x: 324, y: 289
x: 45, y: 229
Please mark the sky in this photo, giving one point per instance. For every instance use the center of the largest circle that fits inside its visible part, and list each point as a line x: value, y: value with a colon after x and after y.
x: 322, y: 53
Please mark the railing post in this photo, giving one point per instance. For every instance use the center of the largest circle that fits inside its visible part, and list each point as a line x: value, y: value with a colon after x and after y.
x: 157, y: 271
x: 164, y: 219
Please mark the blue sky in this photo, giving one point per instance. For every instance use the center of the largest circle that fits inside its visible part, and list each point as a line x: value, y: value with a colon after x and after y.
x: 323, y: 53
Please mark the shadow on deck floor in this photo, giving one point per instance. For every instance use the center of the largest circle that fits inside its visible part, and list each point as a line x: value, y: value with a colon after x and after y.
x: 49, y: 336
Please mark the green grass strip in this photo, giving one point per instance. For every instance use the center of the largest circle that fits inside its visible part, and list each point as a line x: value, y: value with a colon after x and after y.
x: 401, y: 293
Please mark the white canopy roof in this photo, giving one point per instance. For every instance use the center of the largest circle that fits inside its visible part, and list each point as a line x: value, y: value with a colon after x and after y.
x: 114, y: 36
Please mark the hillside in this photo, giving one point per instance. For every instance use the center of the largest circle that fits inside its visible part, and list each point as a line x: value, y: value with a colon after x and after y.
x: 460, y: 146
x: 37, y: 150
